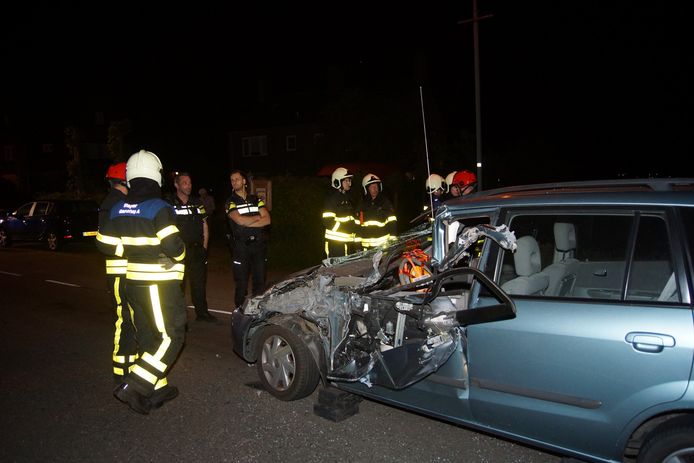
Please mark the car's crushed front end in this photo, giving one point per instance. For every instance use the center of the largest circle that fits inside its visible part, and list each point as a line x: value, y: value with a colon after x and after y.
x: 361, y: 320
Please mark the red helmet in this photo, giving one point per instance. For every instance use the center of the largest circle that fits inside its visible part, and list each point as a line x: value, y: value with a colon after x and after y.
x: 464, y: 178
x: 116, y: 172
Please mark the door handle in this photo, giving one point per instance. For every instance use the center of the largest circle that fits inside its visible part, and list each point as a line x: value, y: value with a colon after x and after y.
x: 600, y: 273
x: 649, y: 342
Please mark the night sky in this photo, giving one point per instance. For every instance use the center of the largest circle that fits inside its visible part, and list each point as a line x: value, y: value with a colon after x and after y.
x: 570, y: 90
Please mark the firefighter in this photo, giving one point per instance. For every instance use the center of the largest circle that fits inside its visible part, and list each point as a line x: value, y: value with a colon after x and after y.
x: 464, y: 182
x: 449, y: 191
x: 124, y: 342
x: 142, y: 229
x: 435, y: 188
x: 191, y: 217
x: 247, y: 218
x: 377, y: 215
x: 339, y: 214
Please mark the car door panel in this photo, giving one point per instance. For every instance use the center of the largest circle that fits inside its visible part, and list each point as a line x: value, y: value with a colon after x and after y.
x: 569, y: 364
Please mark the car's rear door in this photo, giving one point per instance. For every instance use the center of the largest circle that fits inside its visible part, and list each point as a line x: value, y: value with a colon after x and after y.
x: 18, y: 222
x: 37, y: 222
x: 574, y: 370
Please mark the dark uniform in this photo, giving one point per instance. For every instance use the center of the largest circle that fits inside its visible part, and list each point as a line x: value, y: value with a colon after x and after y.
x: 340, y: 222
x: 378, y: 221
x: 124, y: 341
x: 432, y: 199
x: 190, y: 218
x: 143, y: 230
x: 248, y: 246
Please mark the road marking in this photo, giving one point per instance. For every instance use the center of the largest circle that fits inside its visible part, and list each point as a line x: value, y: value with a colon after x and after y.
x: 212, y: 310
x: 10, y: 273
x: 63, y: 283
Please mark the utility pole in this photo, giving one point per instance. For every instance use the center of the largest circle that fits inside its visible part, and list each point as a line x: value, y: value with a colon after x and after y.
x: 478, y: 118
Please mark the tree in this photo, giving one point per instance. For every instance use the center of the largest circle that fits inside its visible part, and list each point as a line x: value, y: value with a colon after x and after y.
x: 116, y: 145
x: 75, y: 184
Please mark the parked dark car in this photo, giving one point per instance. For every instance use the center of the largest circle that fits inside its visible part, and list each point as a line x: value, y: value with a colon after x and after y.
x: 54, y: 222
x: 556, y: 315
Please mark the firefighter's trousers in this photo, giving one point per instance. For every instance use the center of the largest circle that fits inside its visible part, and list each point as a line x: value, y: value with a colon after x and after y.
x: 159, y: 311
x: 334, y: 248
x: 124, y: 340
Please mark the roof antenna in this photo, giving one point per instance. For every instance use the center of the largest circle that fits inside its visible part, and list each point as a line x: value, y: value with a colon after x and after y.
x: 426, y: 148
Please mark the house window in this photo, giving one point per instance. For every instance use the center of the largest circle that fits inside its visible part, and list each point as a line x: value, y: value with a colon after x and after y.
x: 291, y: 142
x: 254, y: 146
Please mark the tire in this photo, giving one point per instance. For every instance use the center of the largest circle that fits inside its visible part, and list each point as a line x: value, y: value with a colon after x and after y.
x: 5, y: 240
x: 284, y: 364
x: 674, y: 444
x: 53, y: 241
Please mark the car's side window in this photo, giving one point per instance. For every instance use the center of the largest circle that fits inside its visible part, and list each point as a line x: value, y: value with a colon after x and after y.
x: 588, y: 256
x: 652, y: 274
x: 41, y: 208
x: 25, y: 210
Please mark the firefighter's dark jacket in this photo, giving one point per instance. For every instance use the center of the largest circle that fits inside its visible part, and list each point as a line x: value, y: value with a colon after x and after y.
x: 339, y: 217
x: 114, y: 265
x: 142, y: 228
x: 378, y: 220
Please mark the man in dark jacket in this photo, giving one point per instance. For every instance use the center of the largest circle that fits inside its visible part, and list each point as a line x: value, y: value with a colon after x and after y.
x: 339, y: 215
x: 247, y: 218
x: 142, y: 228
x: 377, y: 215
x: 191, y: 216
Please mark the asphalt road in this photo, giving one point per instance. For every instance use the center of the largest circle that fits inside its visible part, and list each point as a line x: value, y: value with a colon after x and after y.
x: 56, y: 400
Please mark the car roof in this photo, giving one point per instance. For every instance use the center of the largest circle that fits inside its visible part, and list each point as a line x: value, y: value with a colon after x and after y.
x: 671, y: 191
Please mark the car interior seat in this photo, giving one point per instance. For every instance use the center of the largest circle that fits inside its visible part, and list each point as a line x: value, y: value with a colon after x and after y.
x: 526, y: 259
x: 670, y: 292
x: 562, y: 272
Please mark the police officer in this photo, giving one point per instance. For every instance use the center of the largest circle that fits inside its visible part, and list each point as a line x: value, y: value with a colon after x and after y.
x: 191, y: 217
x: 142, y: 229
x: 124, y: 341
x: 339, y: 215
x: 247, y: 217
x: 377, y: 215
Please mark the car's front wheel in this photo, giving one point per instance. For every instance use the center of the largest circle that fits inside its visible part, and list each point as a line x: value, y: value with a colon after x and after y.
x: 674, y: 444
x: 285, y: 365
x: 4, y: 239
x: 53, y: 241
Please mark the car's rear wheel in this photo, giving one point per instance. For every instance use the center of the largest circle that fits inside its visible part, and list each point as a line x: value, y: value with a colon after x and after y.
x: 285, y: 365
x: 674, y: 444
x: 53, y: 241
x: 4, y: 239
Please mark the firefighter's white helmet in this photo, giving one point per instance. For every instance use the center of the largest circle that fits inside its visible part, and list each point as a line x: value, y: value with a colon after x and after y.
x: 144, y: 164
x: 434, y: 182
x: 369, y: 179
x: 338, y: 176
x: 449, y: 180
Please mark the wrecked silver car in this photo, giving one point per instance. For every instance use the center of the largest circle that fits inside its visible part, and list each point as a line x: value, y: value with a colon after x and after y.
x: 388, y: 316
x: 581, y: 341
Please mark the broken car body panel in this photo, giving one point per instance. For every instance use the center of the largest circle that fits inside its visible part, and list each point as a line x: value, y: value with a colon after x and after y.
x: 360, y: 322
